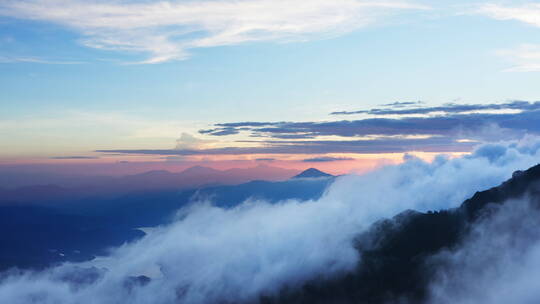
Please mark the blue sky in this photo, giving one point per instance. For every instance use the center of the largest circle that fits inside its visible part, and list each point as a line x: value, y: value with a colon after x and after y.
x: 79, y: 76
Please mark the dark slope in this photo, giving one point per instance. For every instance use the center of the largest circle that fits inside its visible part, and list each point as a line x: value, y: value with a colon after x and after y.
x: 395, y: 263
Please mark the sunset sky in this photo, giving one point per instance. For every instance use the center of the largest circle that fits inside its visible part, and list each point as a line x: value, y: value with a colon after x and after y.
x: 309, y: 83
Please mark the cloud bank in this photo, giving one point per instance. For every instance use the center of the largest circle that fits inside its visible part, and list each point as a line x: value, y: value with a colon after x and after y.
x: 167, y: 30
x: 211, y: 255
x: 449, y: 120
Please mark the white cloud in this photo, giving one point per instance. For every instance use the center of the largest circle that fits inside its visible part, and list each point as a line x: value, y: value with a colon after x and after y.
x: 190, y: 142
x: 16, y: 59
x: 167, y: 30
x: 527, y: 13
x: 525, y: 58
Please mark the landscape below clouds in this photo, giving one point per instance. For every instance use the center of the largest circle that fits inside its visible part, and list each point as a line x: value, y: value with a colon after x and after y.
x: 40, y: 185
x: 261, y: 247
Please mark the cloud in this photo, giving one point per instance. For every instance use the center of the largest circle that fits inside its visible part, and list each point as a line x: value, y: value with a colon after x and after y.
x: 527, y: 13
x: 458, y: 129
x: 220, y: 132
x: 190, y: 142
x: 75, y: 157
x: 442, y: 125
x: 18, y: 59
x: 447, y: 109
x: 437, y: 144
x: 499, y: 261
x: 168, y: 30
x: 402, y: 104
x: 324, y: 159
x: 526, y: 58
x: 210, y: 255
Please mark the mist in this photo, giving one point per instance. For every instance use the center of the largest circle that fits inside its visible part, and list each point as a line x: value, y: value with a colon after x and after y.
x: 210, y: 254
x: 499, y: 262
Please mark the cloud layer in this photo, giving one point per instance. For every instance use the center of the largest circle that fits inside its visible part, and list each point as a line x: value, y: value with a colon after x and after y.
x: 211, y: 254
x: 167, y: 30
x: 447, y: 128
x: 449, y: 121
x: 404, y: 108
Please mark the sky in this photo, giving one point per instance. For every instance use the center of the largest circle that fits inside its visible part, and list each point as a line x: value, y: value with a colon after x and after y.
x: 344, y: 84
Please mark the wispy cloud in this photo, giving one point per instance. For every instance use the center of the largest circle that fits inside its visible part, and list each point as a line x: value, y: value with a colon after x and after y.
x: 526, y: 57
x: 324, y: 159
x: 440, y: 145
x: 75, y: 157
x: 167, y: 30
x: 401, y: 109
x: 19, y: 59
x: 527, y: 13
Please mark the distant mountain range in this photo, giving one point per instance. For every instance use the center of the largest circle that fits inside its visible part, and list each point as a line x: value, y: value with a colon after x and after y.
x: 104, y: 186
x: 202, y: 176
x: 51, y: 224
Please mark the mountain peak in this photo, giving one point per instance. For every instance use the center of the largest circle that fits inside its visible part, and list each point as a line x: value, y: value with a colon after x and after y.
x: 312, y: 173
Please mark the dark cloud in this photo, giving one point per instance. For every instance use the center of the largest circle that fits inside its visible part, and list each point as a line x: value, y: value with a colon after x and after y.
x: 324, y: 159
x: 444, y: 125
x: 448, y: 108
x: 389, y: 145
x: 455, y: 131
x: 265, y: 159
x: 220, y: 131
x: 290, y: 136
x: 245, y: 124
x: 402, y: 104
x: 74, y: 157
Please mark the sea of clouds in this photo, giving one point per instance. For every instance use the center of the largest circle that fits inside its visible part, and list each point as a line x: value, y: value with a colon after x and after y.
x: 211, y: 255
